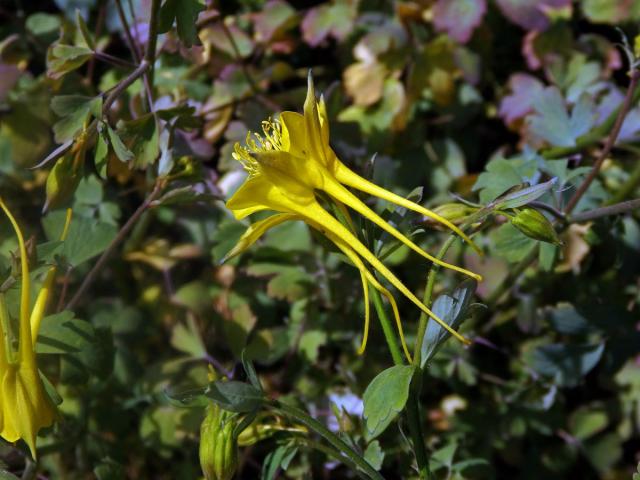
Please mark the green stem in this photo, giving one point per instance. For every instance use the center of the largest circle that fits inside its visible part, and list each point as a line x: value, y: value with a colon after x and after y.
x: 351, y: 457
x: 387, y: 328
x: 413, y: 406
x: 329, y: 452
x: 417, y: 436
x: 426, y: 299
x: 30, y: 470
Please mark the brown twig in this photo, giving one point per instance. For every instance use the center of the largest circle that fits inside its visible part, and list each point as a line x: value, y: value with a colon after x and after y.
x: 124, y: 84
x: 133, y: 46
x: 609, y: 143
x: 63, y: 292
x: 135, y: 52
x: 617, y: 209
x: 119, y: 238
x: 99, y: 24
x: 150, y: 53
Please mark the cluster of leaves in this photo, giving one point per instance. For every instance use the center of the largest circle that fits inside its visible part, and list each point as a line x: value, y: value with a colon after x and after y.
x: 494, y: 107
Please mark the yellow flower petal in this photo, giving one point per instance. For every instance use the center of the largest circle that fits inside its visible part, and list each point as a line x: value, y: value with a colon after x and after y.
x: 25, y: 294
x: 367, y: 278
x: 313, y: 129
x: 24, y: 405
x: 255, y: 231
x: 317, y: 215
x: 353, y: 180
x: 343, y: 195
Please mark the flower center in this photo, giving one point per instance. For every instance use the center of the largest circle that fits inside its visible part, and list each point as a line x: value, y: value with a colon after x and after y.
x: 269, y: 141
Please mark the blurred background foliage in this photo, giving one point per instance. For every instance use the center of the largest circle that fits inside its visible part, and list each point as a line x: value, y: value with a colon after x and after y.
x: 461, y: 98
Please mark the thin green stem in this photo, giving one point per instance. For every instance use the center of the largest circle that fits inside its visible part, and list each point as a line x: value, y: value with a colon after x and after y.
x: 414, y: 420
x: 426, y: 299
x: 413, y: 405
x: 387, y: 328
x: 329, y: 452
x: 351, y: 457
x: 30, y: 470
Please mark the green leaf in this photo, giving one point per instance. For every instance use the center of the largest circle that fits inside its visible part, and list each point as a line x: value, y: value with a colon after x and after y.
x: 385, y: 398
x: 566, y: 363
x: 552, y: 123
x: 75, y: 111
x: 185, y: 13
x: 187, y: 339
x: 452, y: 309
x: 142, y: 137
x: 277, y: 459
x: 84, y: 31
x: 374, y: 455
x: 288, y: 283
x: 109, y: 470
x: 62, y: 333
x: 310, y: 343
x: 565, y: 319
x: 524, y: 196
x: 250, y: 371
x: 501, y: 174
x: 43, y: 25
x: 120, y: 149
x: 511, y: 243
x: 235, y: 396
x: 588, y: 421
x: 87, y: 237
x: 101, y: 155
x: 63, y: 59
x: 193, y: 397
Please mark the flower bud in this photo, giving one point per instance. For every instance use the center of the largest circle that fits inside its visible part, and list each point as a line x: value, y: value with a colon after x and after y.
x: 218, y: 445
x: 535, y: 225
x: 62, y: 182
x: 456, y: 213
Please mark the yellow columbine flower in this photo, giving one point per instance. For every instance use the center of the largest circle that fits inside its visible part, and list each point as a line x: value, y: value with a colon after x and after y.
x: 293, y: 160
x: 24, y: 405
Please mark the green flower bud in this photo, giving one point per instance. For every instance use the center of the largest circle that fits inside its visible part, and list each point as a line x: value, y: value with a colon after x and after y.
x: 535, y: 225
x: 62, y: 181
x: 456, y: 213
x: 218, y: 445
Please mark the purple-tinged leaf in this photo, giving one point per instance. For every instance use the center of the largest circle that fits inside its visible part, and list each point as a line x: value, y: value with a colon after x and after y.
x: 9, y: 75
x: 334, y: 19
x: 631, y: 126
x: 524, y: 90
x: 530, y: 14
x: 458, y: 18
x: 274, y: 17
